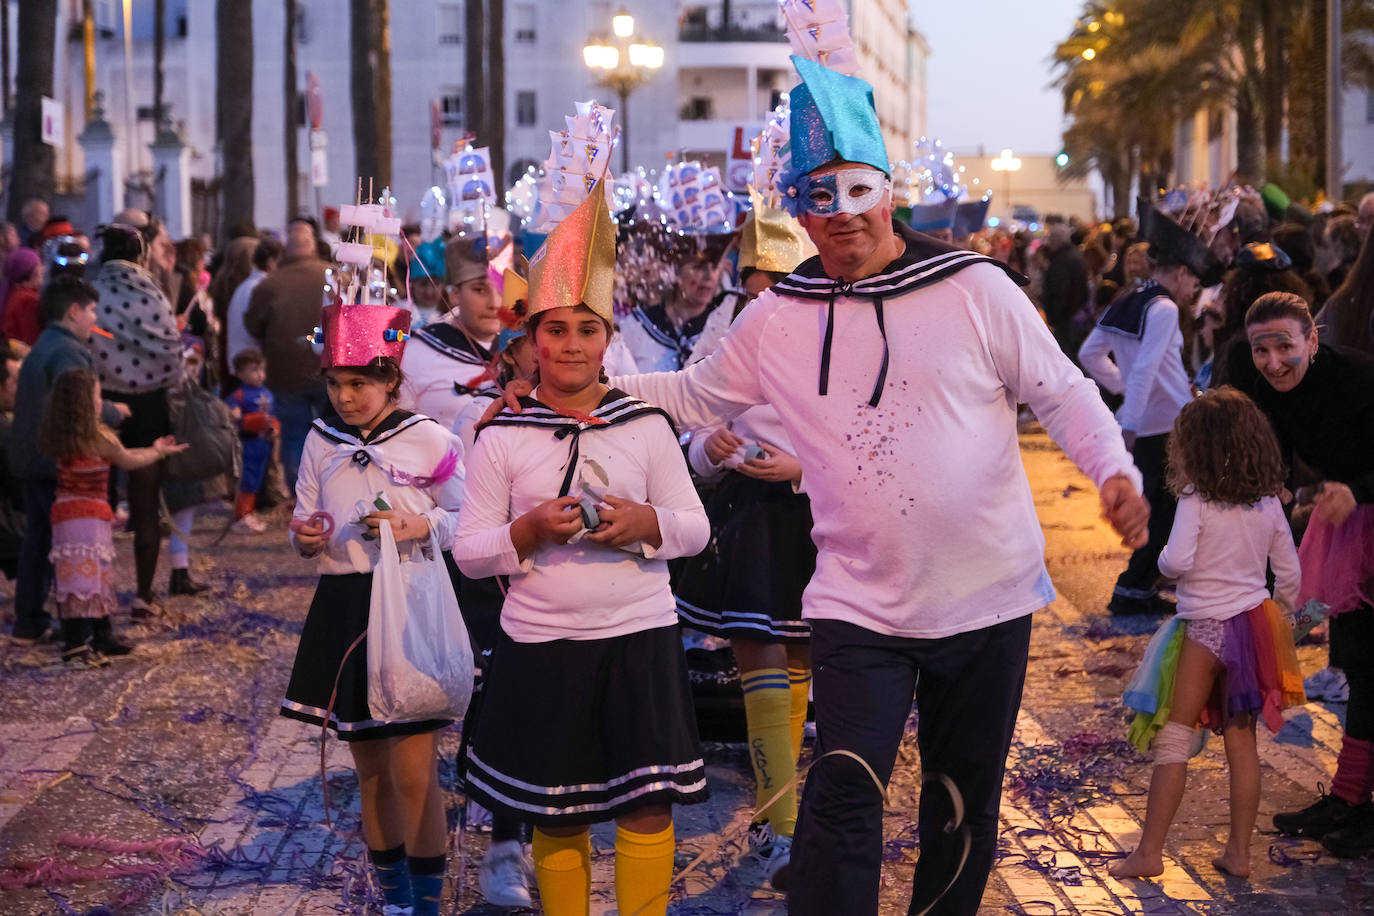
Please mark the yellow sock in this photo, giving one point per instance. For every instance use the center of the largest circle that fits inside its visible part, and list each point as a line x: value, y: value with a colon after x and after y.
x: 767, y: 706
x: 643, y: 871
x: 799, y: 682
x: 563, y: 868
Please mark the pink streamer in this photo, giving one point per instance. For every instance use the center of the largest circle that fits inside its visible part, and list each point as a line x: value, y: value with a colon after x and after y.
x: 322, y: 519
x: 443, y: 471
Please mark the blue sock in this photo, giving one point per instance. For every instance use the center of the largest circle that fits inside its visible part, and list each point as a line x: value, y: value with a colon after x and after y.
x: 427, y: 883
x: 389, y: 865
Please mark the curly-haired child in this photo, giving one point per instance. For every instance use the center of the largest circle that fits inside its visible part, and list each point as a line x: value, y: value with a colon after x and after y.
x: 82, y: 546
x: 1227, y: 658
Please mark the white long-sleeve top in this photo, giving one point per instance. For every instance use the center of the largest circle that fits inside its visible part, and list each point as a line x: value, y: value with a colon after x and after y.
x: 579, y: 590
x: 1219, y: 551
x: 435, y: 359
x: 335, y: 479
x: 760, y: 425
x: 1148, y: 370
x: 923, y: 516
x: 236, y: 336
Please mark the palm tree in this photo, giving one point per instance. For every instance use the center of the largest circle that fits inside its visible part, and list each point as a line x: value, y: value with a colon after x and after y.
x: 32, y: 175
x: 474, y: 70
x: 370, y: 37
x: 291, y: 129
x: 496, y: 89
x: 6, y: 99
x: 234, y: 108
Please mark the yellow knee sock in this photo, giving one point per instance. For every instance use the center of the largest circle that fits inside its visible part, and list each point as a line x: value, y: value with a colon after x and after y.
x: 563, y: 868
x: 767, y: 706
x: 799, y: 682
x: 643, y: 871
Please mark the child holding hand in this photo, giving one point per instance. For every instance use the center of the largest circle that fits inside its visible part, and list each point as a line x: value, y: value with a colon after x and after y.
x: 82, y: 544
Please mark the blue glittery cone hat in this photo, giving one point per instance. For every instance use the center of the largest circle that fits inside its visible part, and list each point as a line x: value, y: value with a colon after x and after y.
x: 833, y: 118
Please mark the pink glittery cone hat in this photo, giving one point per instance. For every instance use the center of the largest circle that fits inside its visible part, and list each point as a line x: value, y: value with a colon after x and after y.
x: 355, y: 335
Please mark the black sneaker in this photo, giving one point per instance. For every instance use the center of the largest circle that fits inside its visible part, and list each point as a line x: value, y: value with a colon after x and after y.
x: 1326, y: 815
x: 1356, y: 839
x: 1122, y: 606
x: 25, y: 640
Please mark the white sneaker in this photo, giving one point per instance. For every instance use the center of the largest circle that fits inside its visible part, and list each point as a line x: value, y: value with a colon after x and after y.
x: 778, y: 869
x: 505, y: 875
x: 250, y: 524
x: 761, y: 839
x: 392, y: 909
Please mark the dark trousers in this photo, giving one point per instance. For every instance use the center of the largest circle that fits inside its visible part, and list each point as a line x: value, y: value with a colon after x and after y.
x: 34, y: 582
x: 297, y: 411
x: 968, y: 691
x: 1142, y: 570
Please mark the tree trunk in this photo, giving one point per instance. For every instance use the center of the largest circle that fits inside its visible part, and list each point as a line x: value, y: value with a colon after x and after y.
x: 474, y: 70
x: 234, y: 108
x: 6, y: 97
x: 32, y: 174
x: 371, y: 85
x: 1248, y: 138
x: 88, y: 57
x: 291, y: 129
x: 1307, y: 99
x: 1274, y: 30
x: 159, y: 55
x: 496, y: 91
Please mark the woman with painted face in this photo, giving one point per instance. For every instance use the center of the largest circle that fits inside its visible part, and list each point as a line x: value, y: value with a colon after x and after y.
x: 1320, y: 400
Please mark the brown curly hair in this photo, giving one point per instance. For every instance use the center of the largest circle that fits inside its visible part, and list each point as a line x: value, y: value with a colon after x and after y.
x: 71, y: 424
x: 1224, y: 450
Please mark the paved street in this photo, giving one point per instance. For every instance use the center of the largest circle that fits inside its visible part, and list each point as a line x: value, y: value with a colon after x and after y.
x: 168, y: 784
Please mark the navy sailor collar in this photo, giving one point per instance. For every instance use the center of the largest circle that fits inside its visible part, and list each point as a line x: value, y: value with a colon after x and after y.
x: 341, y: 433
x: 923, y: 261
x: 616, y: 407
x: 453, y: 343
x: 659, y: 327
x: 926, y: 260
x: 1126, y: 314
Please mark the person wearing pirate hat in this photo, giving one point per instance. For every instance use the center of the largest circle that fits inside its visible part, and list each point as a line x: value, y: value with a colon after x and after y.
x: 1136, y: 350
x: 661, y: 337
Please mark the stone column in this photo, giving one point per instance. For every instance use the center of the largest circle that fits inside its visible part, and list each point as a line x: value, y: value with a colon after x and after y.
x: 172, y: 166
x: 106, y: 160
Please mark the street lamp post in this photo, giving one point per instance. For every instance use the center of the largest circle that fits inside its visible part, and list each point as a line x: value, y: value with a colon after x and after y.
x: 1006, y: 164
x: 622, y: 64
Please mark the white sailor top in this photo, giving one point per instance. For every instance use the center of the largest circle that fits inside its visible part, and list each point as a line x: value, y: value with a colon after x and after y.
x: 443, y: 368
x: 1140, y: 329
x: 658, y: 346
x: 899, y: 393
x: 410, y: 458
x: 579, y: 590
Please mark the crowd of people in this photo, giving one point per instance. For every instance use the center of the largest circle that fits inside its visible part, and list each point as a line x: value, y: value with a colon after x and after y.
x: 849, y: 513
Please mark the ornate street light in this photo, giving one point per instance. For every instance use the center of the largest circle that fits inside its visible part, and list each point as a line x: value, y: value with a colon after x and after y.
x: 622, y: 63
x: 1007, y: 163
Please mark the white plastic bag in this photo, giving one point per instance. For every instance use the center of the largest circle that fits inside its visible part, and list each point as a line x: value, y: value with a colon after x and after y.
x: 419, y: 662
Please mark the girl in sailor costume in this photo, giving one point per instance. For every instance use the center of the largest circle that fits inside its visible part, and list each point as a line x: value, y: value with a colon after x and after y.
x: 580, y: 500
x: 448, y: 363
x: 371, y: 446
x: 747, y: 585
x: 662, y: 337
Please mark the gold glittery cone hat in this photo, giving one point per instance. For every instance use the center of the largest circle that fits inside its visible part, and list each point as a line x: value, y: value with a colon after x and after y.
x: 576, y: 264
x: 772, y: 239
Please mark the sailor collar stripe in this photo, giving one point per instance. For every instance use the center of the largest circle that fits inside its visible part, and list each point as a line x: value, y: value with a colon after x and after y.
x: 344, y: 437
x: 659, y: 336
x: 617, y: 408
x: 903, y: 279
x: 460, y: 350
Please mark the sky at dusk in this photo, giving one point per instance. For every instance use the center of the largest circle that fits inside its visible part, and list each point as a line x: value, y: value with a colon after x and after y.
x: 989, y: 74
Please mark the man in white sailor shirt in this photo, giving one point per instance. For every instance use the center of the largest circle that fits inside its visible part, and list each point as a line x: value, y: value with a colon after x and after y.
x: 895, y: 363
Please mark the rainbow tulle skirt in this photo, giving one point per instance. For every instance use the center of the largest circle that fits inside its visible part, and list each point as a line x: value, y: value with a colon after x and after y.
x: 1261, y: 676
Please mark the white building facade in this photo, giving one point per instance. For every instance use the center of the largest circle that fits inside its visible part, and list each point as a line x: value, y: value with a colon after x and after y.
x: 716, y: 77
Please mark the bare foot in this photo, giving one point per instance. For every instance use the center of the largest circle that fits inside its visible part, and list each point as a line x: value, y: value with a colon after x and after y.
x: 1138, y: 865
x: 1233, y: 863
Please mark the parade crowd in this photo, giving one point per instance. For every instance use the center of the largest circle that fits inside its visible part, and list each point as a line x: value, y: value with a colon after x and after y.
x: 801, y: 442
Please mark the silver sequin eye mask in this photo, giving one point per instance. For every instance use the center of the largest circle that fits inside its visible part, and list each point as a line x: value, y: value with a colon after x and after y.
x: 844, y: 191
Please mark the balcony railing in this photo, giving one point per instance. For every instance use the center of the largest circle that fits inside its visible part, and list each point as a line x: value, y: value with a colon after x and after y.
x: 700, y: 31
